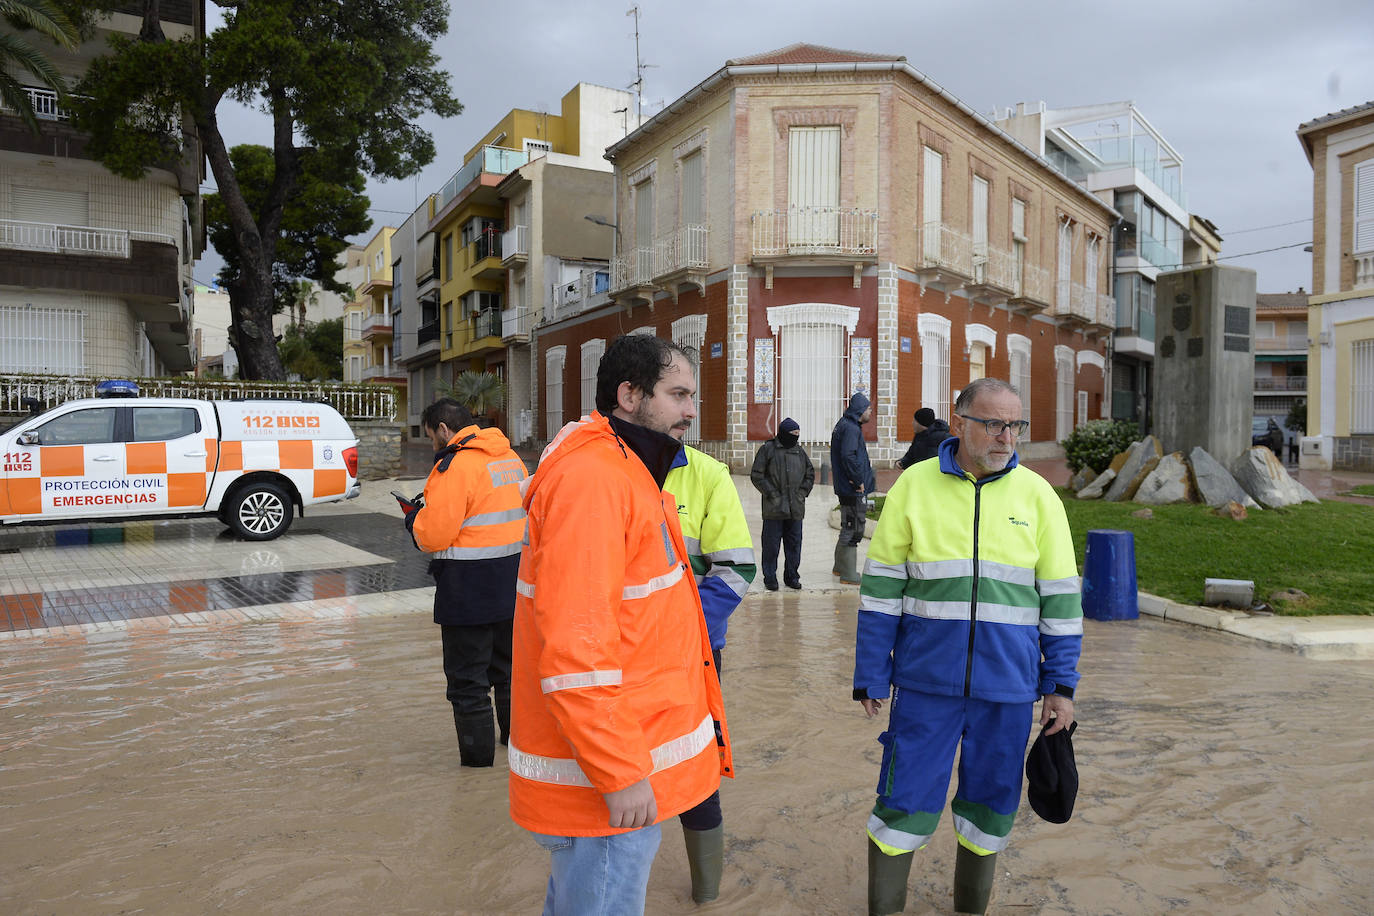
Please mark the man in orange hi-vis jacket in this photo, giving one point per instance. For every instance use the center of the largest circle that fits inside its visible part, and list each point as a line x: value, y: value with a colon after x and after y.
x: 613, y: 691
x: 472, y: 524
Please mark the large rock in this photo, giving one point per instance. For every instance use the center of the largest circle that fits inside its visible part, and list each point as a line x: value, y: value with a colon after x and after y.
x: 1141, y: 460
x: 1215, y: 485
x: 1167, y: 483
x: 1263, y: 477
x: 1080, y: 480
x: 1099, y: 485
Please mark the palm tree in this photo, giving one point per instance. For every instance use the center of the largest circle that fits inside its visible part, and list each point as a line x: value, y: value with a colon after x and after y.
x: 16, y: 53
x: 479, y: 392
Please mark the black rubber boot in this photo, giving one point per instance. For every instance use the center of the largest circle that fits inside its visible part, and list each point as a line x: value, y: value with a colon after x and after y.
x: 705, y: 858
x: 973, y: 877
x: 503, y: 716
x: 887, y: 877
x: 476, y: 740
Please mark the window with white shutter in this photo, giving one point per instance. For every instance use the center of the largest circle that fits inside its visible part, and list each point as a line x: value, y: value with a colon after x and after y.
x: 591, y: 358
x: 1061, y: 290
x: 689, y: 332
x: 554, y: 360
x: 1364, y: 207
x: 932, y: 203
x: 934, y: 332
x: 813, y: 186
x: 1063, y: 392
x: 1018, y: 247
x: 980, y: 229
x: 1018, y: 354
x: 1362, y: 387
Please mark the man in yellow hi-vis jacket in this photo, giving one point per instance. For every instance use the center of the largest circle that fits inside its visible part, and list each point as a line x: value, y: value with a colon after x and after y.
x: 969, y: 608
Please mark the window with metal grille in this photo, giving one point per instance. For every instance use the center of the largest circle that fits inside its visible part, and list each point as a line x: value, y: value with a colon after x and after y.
x: 812, y: 356
x: 1063, y: 392
x: 554, y: 359
x: 42, y: 339
x: 934, y: 331
x: 1362, y: 386
x: 1082, y: 407
x: 689, y: 332
x: 591, y: 358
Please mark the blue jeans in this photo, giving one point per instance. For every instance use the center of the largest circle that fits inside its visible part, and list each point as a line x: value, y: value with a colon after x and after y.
x: 606, y: 875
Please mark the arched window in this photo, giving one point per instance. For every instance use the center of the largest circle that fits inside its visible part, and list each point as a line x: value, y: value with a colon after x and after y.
x: 934, y: 331
x: 690, y: 332
x: 1063, y: 392
x: 591, y: 358
x: 812, y: 345
x: 554, y: 360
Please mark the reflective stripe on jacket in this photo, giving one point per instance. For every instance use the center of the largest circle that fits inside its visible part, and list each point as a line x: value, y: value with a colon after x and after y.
x: 611, y: 678
x: 716, y: 534
x: 472, y: 525
x: 970, y: 588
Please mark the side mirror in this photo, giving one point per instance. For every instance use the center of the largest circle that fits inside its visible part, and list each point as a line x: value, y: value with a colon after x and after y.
x: 28, y: 437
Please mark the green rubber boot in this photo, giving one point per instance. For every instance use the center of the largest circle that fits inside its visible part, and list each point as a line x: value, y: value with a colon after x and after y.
x: 705, y: 858
x: 887, y: 876
x: 973, y: 876
x: 838, y: 568
x: 847, y: 561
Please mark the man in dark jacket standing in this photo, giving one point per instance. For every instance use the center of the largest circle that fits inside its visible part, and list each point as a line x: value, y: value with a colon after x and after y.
x: 930, y: 432
x: 853, y: 480
x: 783, y: 473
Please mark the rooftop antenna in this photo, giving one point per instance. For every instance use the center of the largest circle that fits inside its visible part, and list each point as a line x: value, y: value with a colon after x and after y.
x: 640, y: 67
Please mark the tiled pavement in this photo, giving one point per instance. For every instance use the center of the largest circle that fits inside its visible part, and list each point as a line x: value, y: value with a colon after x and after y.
x: 79, y: 576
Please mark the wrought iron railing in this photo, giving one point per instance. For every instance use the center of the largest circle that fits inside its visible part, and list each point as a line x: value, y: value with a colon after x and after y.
x: 814, y: 230
x: 354, y: 402
x: 942, y: 247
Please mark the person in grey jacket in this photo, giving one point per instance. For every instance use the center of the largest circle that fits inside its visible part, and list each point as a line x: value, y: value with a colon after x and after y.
x: 853, y: 480
x: 783, y: 473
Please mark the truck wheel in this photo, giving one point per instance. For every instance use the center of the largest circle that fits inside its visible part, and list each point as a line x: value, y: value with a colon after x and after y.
x: 260, y: 512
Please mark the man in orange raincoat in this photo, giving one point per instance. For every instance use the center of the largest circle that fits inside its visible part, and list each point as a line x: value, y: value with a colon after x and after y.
x: 614, y: 696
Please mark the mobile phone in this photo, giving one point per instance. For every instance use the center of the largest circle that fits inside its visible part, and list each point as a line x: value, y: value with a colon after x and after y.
x: 402, y: 498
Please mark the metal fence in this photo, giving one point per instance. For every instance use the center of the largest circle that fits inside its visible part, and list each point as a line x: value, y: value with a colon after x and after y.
x: 354, y: 402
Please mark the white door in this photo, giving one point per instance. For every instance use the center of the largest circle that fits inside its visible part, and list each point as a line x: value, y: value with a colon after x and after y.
x: 813, y: 187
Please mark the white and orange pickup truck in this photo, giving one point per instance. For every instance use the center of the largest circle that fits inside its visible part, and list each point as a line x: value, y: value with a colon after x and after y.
x: 252, y: 464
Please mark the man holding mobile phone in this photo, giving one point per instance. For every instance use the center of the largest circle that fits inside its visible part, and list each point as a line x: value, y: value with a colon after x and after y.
x: 470, y: 521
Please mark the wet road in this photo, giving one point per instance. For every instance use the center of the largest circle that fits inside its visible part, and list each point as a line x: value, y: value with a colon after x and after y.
x: 306, y: 767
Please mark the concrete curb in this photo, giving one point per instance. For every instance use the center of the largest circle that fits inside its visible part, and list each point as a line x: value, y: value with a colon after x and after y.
x: 1328, y: 637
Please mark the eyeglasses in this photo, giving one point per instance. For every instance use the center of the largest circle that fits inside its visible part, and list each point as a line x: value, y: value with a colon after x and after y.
x: 995, y: 427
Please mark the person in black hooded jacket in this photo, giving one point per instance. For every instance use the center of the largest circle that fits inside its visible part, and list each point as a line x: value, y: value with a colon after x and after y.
x: 783, y: 473
x: 930, y: 432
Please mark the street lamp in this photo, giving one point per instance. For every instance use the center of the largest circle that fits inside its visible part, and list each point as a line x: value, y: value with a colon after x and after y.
x: 602, y: 221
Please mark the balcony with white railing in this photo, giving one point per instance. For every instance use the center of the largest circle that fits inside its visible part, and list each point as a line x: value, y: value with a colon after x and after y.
x: 1106, y: 311
x: 1080, y: 305
x: 633, y: 270
x: 683, y: 250
x: 382, y: 371
x: 59, y: 239
x: 1031, y: 291
x: 516, y: 325
x: 43, y: 103
x: 573, y: 296
x: 944, y: 256
x: 1287, y: 344
x: 992, y: 274
x: 826, y: 232
x: 515, y: 245
x: 376, y: 324
x: 1364, y: 269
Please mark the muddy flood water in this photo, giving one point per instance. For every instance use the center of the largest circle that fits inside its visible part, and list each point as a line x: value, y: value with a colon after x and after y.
x: 312, y: 768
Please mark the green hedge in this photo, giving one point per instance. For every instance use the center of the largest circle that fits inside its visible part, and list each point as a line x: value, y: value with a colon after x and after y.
x: 1094, y: 444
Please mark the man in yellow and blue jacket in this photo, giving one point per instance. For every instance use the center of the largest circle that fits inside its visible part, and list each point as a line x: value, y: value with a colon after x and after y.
x: 722, y: 557
x: 969, y: 611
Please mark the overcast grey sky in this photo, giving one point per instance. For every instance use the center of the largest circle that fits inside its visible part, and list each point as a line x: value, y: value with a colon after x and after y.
x: 1227, y: 82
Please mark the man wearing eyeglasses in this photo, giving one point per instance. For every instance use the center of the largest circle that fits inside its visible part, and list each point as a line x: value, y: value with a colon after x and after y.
x: 969, y: 611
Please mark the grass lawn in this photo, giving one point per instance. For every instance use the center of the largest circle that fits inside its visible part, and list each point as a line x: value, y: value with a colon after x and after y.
x: 1364, y: 489
x: 1325, y: 549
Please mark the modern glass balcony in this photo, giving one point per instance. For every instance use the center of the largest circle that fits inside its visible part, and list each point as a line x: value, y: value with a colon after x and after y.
x: 496, y: 160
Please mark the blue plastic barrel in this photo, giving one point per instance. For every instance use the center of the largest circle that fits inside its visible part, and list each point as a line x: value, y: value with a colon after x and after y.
x: 1109, y: 591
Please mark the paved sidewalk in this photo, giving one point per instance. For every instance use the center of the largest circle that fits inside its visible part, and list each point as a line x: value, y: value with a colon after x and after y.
x: 355, y: 559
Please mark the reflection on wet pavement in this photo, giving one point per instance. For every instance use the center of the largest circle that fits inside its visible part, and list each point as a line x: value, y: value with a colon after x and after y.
x: 70, y: 576
x: 293, y: 768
